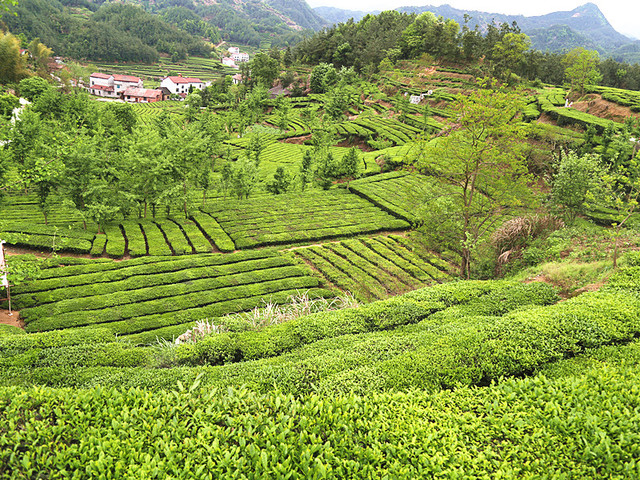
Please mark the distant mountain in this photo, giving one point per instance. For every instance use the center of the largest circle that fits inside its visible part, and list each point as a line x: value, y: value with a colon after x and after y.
x: 584, y: 26
x: 117, y: 30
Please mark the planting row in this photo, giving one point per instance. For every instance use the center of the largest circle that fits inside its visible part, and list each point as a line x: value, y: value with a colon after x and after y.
x: 402, y: 194
x: 137, y: 296
x: 374, y: 268
x: 293, y: 218
x: 491, y: 338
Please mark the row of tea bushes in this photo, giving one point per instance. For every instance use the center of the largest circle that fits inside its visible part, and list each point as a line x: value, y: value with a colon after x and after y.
x: 508, y: 431
x: 294, y: 218
x: 372, y: 268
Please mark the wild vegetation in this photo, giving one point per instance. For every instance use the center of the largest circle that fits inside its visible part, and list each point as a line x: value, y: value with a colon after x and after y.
x: 417, y: 264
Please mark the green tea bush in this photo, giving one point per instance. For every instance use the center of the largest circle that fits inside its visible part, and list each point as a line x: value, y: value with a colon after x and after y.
x: 585, y: 426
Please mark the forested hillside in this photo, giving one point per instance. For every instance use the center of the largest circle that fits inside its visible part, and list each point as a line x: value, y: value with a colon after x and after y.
x: 140, y: 31
x: 584, y: 26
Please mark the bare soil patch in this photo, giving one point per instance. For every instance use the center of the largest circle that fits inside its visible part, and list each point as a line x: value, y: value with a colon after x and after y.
x: 297, y: 140
x: 13, y: 320
x: 355, y: 142
x: 595, y: 105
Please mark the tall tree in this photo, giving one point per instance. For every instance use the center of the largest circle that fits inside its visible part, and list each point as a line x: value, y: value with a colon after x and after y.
x: 481, y: 164
x: 581, y: 68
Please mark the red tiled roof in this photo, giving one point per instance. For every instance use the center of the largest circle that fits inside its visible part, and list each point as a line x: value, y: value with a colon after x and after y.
x: 184, y: 80
x: 101, y: 75
x: 141, y: 92
x: 106, y: 88
x: 126, y: 78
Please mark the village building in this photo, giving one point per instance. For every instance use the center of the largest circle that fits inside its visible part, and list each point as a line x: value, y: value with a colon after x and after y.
x: 233, y: 50
x: 240, y: 57
x: 181, y: 85
x: 236, y: 79
x: 142, y: 95
x: 229, y: 62
x: 111, y: 86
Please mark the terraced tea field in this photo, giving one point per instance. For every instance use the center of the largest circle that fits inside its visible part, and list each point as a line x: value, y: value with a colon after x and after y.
x: 295, y: 218
x: 400, y: 193
x: 375, y: 268
x: 156, y: 296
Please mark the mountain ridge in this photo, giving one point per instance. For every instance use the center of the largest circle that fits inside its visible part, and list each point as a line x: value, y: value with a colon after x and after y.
x: 584, y: 26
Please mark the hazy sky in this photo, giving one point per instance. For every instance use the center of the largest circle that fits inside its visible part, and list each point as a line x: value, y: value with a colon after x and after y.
x: 624, y: 15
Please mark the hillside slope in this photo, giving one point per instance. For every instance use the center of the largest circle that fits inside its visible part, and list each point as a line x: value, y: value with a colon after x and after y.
x: 583, y: 26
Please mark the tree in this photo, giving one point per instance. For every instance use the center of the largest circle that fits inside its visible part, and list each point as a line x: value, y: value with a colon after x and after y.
x: 13, y: 65
x: 578, y: 182
x: 349, y: 167
x: 280, y: 183
x: 31, y: 88
x: 581, y: 68
x: 508, y: 53
x: 264, y: 69
x: 40, y: 55
x: 480, y: 165
x: 306, y: 172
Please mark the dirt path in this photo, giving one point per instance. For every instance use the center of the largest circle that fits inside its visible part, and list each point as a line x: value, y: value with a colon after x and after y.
x: 13, y: 319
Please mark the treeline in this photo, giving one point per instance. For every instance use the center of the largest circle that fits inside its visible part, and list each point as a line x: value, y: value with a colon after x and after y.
x: 113, y: 33
x: 500, y: 49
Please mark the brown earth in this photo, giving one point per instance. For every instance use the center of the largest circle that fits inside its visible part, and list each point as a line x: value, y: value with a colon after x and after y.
x: 13, y: 320
x: 297, y: 140
x: 595, y: 105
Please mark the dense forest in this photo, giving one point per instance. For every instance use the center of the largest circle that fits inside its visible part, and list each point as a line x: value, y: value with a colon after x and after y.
x: 112, y: 33
x: 392, y: 36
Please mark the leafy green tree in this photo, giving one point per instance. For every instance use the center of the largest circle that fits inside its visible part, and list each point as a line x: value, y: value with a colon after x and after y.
x: 481, y: 164
x: 13, y: 65
x: 305, y: 174
x: 264, y: 69
x: 581, y: 68
x: 578, y: 183
x: 40, y: 55
x: 508, y: 53
x: 280, y: 183
x: 327, y: 170
x: 349, y: 167
x: 8, y: 103
x: 244, y: 177
x: 31, y: 88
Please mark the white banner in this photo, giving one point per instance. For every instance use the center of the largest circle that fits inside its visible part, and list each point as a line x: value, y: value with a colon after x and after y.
x: 4, y: 282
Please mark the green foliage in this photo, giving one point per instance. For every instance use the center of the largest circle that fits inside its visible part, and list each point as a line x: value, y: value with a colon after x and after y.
x: 280, y: 183
x: 8, y: 103
x: 578, y: 184
x: 581, y: 68
x: 31, y: 88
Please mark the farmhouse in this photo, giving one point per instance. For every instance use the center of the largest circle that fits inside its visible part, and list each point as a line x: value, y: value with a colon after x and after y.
x: 181, y: 85
x: 229, y: 62
x: 112, y: 86
x: 233, y: 50
x: 142, y: 95
x: 236, y: 79
x: 240, y: 57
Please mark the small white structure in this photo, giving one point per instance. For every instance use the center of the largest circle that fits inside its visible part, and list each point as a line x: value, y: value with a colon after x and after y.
x: 229, y: 62
x: 237, y: 79
x: 105, y: 85
x: 240, y: 57
x: 181, y: 85
x: 233, y: 50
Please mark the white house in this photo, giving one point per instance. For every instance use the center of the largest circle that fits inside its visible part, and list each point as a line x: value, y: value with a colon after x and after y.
x: 105, y: 85
x: 240, y: 57
x: 229, y: 62
x: 237, y: 78
x: 181, y: 85
x: 233, y: 50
